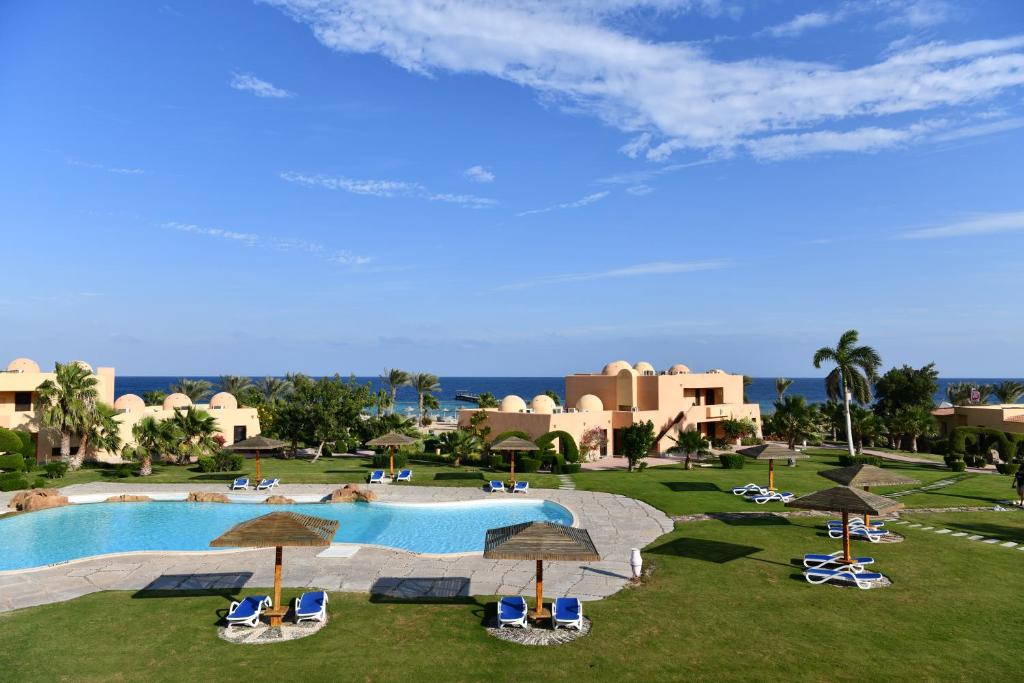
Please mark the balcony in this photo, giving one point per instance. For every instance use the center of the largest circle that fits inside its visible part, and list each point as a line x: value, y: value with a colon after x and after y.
x: 717, y: 413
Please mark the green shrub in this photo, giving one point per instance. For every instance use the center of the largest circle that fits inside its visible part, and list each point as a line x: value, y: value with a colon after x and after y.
x: 497, y: 462
x: 751, y: 441
x: 40, y: 483
x: 527, y: 465
x: 568, y: 444
x: 1008, y: 468
x: 848, y: 460
x: 511, y: 432
x: 124, y: 471
x: 9, y: 441
x: 571, y: 468
x: 642, y: 466
x: 225, y: 461
x: 938, y: 446
x: 721, y: 445
x: 12, y: 462
x: 13, y: 481
x: 555, y: 460
x: 383, y: 460
x: 732, y: 461
x: 55, y: 469
x: 958, y: 465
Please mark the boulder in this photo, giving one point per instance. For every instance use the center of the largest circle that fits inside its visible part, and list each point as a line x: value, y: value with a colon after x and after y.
x: 278, y: 500
x: 129, y: 498
x: 37, y: 499
x: 207, y: 497
x: 350, y: 493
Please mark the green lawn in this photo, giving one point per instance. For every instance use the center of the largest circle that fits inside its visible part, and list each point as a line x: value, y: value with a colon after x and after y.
x: 1007, y: 526
x: 725, y: 603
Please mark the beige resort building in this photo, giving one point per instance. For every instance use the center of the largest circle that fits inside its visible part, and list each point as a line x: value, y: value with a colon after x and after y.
x: 20, y: 382
x: 1006, y: 417
x: 623, y: 394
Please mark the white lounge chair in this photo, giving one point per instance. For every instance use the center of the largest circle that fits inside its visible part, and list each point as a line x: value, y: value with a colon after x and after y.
x: 855, y: 522
x: 267, y: 484
x: 242, y: 483
x: 495, y: 486
x: 567, y: 613
x: 873, y: 535
x: 311, y: 606
x: 512, y: 612
x: 247, y: 611
x: 404, y: 475
x: 521, y: 487
x: 772, y: 496
x: 377, y: 477
x: 860, y: 579
x: 835, y: 561
x: 750, y: 489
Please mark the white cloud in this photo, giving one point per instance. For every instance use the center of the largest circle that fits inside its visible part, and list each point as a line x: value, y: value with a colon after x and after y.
x: 584, y: 201
x: 479, y: 174
x: 803, y: 22
x: 980, y: 129
x: 684, y: 98
x: 639, y: 190
x: 257, y: 86
x: 248, y: 239
x: 1011, y: 221
x: 896, y: 13
x: 109, y: 169
x: 386, y: 188
x: 641, y: 270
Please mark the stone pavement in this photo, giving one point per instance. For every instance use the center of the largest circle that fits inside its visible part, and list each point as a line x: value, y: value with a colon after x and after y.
x: 616, y: 524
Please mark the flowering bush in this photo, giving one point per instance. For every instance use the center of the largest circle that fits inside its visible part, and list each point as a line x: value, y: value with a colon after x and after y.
x: 592, y: 442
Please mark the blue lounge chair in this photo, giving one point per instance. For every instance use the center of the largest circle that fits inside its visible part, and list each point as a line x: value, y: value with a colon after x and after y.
x: 750, y: 489
x: 772, y: 496
x: 512, y: 612
x: 247, y: 612
x: 377, y: 477
x: 240, y: 483
x: 873, y: 535
x: 521, y: 487
x: 311, y: 607
x: 568, y: 613
x: 835, y: 561
x: 267, y: 484
x: 861, y: 579
x: 494, y: 486
x: 404, y: 475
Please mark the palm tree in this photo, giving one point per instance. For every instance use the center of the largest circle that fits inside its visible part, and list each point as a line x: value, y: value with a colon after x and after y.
x: 424, y: 383
x: 382, y: 401
x: 100, y: 432
x: 459, y: 444
x: 1008, y: 391
x: 395, y: 378
x: 959, y: 393
x: 235, y: 385
x: 487, y: 400
x: 781, y: 384
x: 430, y: 402
x: 553, y: 396
x: 195, y: 389
x: 855, y: 368
x: 153, y: 438
x: 196, y: 429
x: 273, y: 389
x: 794, y: 420
x: 66, y: 401
x: 747, y: 381
x: 690, y: 442
x: 832, y: 414
x: 154, y: 397
x: 912, y: 423
x: 866, y: 426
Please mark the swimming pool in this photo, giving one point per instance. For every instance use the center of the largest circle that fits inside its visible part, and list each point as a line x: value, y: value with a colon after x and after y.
x: 60, y: 534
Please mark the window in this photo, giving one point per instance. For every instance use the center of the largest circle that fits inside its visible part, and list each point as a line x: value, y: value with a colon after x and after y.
x: 23, y: 400
x: 239, y: 434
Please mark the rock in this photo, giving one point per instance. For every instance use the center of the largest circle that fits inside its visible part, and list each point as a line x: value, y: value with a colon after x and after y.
x: 350, y: 493
x: 129, y: 498
x: 278, y: 500
x: 207, y: 497
x: 38, y: 499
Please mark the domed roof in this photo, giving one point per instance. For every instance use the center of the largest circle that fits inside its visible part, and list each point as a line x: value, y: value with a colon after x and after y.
x: 177, y: 401
x: 23, y: 365
x: 85, y: 366
x: 716, y: 371
x: 542, y: 403
x: 615, y: 367
x: 130, y: 403
x: 589, y: 403
x: 224, y: 401
x: 643, y: 367
x: 512, y: 404
x: 678, y: 369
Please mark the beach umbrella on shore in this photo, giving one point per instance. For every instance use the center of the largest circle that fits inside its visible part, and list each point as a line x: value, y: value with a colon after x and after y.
x: 392, y: 440
x: 513, y: 445
x: 847, y: 501
x: 771, y: 453
x: 277, y: 530
x: 257, y: 445
x: 540, y: 541
x: 866, y: 476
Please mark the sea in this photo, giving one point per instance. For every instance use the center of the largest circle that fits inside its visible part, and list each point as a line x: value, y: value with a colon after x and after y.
x: 762, y: 391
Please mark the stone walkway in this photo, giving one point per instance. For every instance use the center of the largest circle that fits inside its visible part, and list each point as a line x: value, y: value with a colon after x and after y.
x: 1003, y: 543
x: 616, y: 524
x: 565, y: 483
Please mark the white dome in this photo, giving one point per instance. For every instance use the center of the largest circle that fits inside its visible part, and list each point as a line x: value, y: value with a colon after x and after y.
x: 542, y: 403
x: 223, y: 401
x: 678, y: 369
x: 130, y: 403
x: 643, y: 367
x: 512, y: 404
x: 23, y: 365
x: 177, y: 401
x: 589, y: 403
x: 716, y: 371
x: 615, y: 367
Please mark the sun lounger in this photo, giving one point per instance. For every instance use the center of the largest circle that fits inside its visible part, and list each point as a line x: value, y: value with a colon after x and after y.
x: 750, y: 489
x: 267, y: 484
x: 404, y: 475
x: 861, y: 579
x: 873, y: 535
x: 521, y: 487
x: 377, y: 477
x: 311, y: 607
x: 567, y: 612
x: 512, y: 612
x: 855, y: 522
x: 835, y: 561
x: 240, y: 483
x: 779, y: 496
x: 247, y: 612
x: 494, y: 486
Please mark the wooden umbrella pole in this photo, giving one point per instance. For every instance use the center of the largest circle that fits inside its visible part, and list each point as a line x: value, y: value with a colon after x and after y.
x: 392, y: 450
x: 514, y: 467
x: 867, y: 518
x: 771, y: 475
x: 846, y: 538
x: 275, y: 619
x: 539, y: 612
x: 258, y: 479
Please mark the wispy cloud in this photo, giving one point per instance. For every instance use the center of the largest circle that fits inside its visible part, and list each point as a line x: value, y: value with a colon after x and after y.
x: 125, y: 170
x: 387, y: 188
x: 1011, y: 221
x: 583, y: 201
x: 250, y: 240
x: 640, y: 270
x: 246, y: 82
x: 980, y: 129
x: 639, y: 190
x: 642, y: 176
x: 891, y: 13
x: 803, y: 22
x: 479, y: 174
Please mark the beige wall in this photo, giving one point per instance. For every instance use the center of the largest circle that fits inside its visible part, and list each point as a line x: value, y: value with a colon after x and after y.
x: 992, y: 417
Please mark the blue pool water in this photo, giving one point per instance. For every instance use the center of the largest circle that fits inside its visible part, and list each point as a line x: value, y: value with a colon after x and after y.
x: 60, y: 534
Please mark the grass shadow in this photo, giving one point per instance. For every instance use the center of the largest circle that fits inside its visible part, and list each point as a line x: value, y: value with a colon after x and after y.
x: 423, y: 590
x: 687, y: 486
x: 754, y: 519
x: 455, y: 476
x: 225, y: 584
x: 704, y: 549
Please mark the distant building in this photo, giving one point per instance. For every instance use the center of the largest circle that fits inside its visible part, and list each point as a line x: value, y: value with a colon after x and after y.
x: 1008, y: 417
x: 623, y: 394
x: 19, y: 385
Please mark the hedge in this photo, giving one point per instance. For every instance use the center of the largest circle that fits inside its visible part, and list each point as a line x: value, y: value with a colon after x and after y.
x: 511, y: 432
x: 1008, y: 468
x: 572, y: 451
x: 383, y: 460
x: 13, y: 481
x: 848, y: 460
x: 958, y: 465
x: 13, y: 462
x: 571, y: 468
x: 56, y: 469
x: 527, y: 465
x: 983, y: 438
x: 732, y: 461
x: 224, y: 461
x: 9, y: 441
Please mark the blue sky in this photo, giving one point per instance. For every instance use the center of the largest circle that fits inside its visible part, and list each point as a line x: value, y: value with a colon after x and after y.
x: 521, y: 188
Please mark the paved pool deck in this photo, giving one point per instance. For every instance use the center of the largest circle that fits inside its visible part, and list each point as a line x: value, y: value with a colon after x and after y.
x: 616, y: 524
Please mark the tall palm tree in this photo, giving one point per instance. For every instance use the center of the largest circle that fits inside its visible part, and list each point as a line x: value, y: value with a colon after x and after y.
x: 100, y: 432
x: 153, y: 438
x: 273, y: 389
x: 395, y: 378
x: 424, y: 383
x: 781, y: 385
x: 195, y: 429
x: 1008, y: 391
x: 856, y: 367
x: 195, y: 389
x: 234, y: 384
x: 66, y: 401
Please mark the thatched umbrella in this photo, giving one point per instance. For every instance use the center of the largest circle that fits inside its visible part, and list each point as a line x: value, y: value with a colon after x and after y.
x: 392, y: 440
x: 257, y: 444
x: 514, y: 444
x: 866, y: 476
x: 276, y: 530
x: 540, y: 541
x: 846, y: 500
x: 771, y: 453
